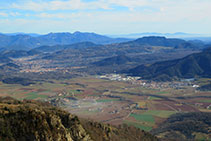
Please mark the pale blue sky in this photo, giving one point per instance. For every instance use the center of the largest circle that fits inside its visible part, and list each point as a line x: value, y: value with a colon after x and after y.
x: 105, y: 16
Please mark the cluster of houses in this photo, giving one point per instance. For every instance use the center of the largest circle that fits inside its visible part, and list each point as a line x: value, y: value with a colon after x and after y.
x: 118, y: 77
x: 146, y: 83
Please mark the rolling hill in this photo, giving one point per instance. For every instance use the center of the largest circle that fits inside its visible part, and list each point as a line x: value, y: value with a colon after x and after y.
x: 141, y: 45
x: 27, y: 41
x: 169, y: 35
x: 18, y: 53
x: 167, y: 42
x: 194, y: 65
x: 95, y: 58
x: 159, y: 41
x: 186, y: 126
x: 81, y: 45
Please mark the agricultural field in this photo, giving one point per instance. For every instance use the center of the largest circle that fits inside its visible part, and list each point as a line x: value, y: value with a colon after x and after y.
x: 113, y: 102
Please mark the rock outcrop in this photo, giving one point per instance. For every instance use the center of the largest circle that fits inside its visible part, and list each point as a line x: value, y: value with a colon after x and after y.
x: 34, y: 120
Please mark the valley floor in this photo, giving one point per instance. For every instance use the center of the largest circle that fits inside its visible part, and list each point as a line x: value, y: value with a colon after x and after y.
x: 126, y: 101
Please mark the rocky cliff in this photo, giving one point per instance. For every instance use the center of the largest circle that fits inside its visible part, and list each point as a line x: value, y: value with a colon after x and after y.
x: 34, y: 120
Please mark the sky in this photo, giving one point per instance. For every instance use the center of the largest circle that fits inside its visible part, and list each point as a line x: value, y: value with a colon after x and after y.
x: 105, y: 16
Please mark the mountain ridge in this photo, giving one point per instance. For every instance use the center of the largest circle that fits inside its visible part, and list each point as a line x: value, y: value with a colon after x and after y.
x: 194, y: 65
x: 26, y: 41
x: 169, y: 35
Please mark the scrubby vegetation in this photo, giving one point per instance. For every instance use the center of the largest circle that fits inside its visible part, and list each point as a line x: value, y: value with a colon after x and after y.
x: 34, y: 120
x: 206, y: 87
x: 186, y: 126
x: 18, y: 80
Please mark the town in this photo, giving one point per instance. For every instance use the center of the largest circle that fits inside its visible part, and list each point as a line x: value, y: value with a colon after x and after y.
x: 150, y: 84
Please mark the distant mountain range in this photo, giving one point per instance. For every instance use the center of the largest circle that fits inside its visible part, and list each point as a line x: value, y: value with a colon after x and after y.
x: 90, y: 50
x: 159, y: 41
x: 27, y: 41
x: 206, y: 40
x: 100, y: 59
x: 22, y: 33
x: 84, y: 53
x: 169, y: 35
x: 30, y: 41
x: 129, y: 56
x: 194, y: 65
x: 141, y: 43
x: 145, y: 44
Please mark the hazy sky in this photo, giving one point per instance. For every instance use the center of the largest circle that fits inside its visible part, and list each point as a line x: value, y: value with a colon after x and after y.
x: 105, y: 16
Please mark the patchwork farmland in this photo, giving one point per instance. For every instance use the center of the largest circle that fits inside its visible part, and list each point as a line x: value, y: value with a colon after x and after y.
x: 113, y: 102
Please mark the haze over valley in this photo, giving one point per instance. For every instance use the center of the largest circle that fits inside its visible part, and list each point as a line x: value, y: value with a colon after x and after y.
x: 111, y: 70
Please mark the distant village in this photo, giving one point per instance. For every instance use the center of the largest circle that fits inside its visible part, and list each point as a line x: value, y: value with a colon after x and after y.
x: 148, y: 83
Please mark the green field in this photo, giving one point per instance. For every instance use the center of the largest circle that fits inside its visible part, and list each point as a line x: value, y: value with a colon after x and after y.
x: 206, y: 100
x: 140, y: 126
x: 34, y: 95
x: 162, y: 92
x: 162, y: 114
x: 74, y: 91
x: 87, y: 88
x: 143, y: 117
x: 146, y: 120
x: 153, y: 98
x: 107, y: 100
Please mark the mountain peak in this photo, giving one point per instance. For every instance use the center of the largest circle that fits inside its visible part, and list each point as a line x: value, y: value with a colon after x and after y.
x: 152, y: 38
x: 159, y: 41
x: 59, y: 33
x: 77, y: 32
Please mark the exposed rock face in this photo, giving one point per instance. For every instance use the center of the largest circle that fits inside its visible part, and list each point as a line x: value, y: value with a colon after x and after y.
x: 29, y: 121
x: 33, y: 120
